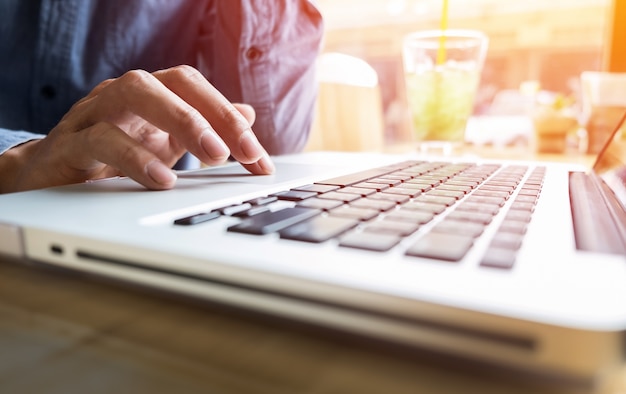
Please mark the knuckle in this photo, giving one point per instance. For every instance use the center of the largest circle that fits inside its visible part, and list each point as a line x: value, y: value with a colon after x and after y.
x: 187, y: 72
x: 129, y: 154
x: 189, y: 118
x: 103, y: 84
x: 97, y: 134
x: 134, y: 78
x: 233, y: 118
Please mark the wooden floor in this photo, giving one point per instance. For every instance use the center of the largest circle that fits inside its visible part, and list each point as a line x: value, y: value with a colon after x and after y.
x: 67, y: 333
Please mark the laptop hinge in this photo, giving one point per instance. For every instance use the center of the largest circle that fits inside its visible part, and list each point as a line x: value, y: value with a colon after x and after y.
x: 594, y: 210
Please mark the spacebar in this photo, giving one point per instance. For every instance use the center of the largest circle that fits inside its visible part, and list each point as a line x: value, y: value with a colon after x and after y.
x: 272, y: 221
x: 361, y: 176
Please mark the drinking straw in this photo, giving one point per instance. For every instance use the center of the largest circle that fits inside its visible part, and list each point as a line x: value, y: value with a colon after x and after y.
x: 441, y: 52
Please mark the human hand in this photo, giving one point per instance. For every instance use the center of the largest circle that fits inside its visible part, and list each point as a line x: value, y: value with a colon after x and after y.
x: 138, y: 125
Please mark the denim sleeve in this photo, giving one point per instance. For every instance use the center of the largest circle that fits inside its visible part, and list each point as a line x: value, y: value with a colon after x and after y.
x: 262, y: 53
x: 12, y: 138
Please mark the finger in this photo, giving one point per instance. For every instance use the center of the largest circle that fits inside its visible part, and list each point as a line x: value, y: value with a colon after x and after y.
x: 263, y: 166
x: 224, y: 117
x: 142, y: 94
x: 247, y: 111
x: 110, y: 145
x: 94, y: 92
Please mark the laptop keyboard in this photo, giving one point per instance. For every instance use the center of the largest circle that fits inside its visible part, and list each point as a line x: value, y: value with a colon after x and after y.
x: 375, y: 210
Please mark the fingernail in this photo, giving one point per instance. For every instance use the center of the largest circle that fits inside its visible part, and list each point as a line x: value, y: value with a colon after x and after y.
x: 214, y: 146
x: 266, y: 164
x: 250, y: 146
x: 160, y: 173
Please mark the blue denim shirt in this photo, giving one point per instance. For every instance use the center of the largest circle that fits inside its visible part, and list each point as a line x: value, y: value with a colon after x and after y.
x: 260, y: 52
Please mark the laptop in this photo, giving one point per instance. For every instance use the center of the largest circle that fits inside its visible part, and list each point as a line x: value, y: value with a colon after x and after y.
x: 510, y: 263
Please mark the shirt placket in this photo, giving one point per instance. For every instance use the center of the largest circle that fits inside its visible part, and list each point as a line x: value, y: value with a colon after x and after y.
x: 52, y: 84
x: 255, y: 64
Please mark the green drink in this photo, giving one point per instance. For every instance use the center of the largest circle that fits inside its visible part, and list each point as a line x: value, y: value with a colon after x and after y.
x: 441, y: 100
x: 442, y: 73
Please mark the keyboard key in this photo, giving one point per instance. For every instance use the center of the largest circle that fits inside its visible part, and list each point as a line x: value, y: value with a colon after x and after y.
x: 474, y: 207
x: 523, y: 198
x: 531, y: 186
x: 528, y: 192
x: 406, y: 175
x: 345, y: 197
x: 505, y: 240
x: 449, y: 247
x: 318, y: 229
x: 506, y: 184
x: 232, y: 210
x: 254, y: 210
x: 513, y: 226
x: 319, y: 203
x: 425, y: 206
x: 413, y: 216
x: 534, y: 182
x: 386, y: 181
x: 397, y: 198
x: 489, y: 193
x: 486, y: 200
x: 362, y: 214
x: 455, y: 188
x: 272, y: 221
x: 492, y: 188
x: 398, y: 176
x: 432, y: 181
x: 437, y: 192
x: 454, y: 182
x: 422, y: 187
x: 469, y: 216
x: 385, y: 226
x: 463, y: 179
x: 522, y: 216
x: 351, y: 179
x: 370, y: 241
x: 404, y: 192
x: 197, y: 218
x: 498, y: 258
x: 294, y: 195
x: 316, y: 188
x: 447, y: 201
x: 450, y: 226
x: 380, y: 205
x: 262, y: 200
x: 370, y: 185
x: 356, y: 190
x: 522, y: 206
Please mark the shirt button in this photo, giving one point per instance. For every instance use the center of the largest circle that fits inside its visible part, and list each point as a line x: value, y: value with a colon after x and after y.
x: 48, y: 92
x: 253, y: 54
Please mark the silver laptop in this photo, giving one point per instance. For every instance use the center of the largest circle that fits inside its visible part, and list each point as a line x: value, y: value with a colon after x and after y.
x: 521, y: 264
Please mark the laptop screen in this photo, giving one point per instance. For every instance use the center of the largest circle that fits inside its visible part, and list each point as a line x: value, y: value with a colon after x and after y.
x: 611, y: 162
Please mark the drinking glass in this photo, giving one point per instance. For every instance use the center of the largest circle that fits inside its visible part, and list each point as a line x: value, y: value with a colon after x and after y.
x: 442, y: 73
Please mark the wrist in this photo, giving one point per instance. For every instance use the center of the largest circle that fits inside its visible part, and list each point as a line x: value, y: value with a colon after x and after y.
x: 13, y: 164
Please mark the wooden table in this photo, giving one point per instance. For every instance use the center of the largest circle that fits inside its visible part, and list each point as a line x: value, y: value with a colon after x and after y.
x: 63, y: 332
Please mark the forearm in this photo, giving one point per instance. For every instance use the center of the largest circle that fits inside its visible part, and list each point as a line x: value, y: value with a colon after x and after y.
x: 15, y: 147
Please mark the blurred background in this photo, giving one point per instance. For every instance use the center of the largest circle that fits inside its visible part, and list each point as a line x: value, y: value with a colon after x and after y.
x: 538, y: 48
